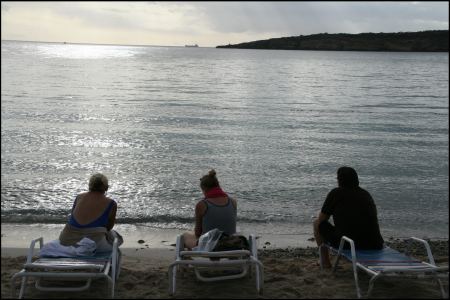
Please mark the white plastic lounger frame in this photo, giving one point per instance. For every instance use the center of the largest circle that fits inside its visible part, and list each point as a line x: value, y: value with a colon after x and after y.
x: 201, y: 260
x: 66, y: 269
x: 405, y: 266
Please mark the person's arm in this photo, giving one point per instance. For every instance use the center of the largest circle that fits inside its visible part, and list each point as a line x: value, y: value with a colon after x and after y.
x: 200, y: 210
x: 372, y: 206
x: 74, y: 203
x: 328, y: 207
x: 112, y: 216
x: 324, y: 214
x: 234, y: 202
x: 320, y: 218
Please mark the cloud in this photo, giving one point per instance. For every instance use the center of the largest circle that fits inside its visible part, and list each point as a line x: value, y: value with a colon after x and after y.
x: 314, y: 17
x: 210, y: 23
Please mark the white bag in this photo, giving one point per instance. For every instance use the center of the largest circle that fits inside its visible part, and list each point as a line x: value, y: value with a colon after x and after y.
x: 208, y: 240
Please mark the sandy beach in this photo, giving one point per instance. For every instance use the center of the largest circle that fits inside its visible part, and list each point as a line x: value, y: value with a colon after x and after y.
x: 289, y: 273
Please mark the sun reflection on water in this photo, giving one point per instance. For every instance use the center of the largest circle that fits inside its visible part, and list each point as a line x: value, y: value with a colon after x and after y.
x: 80, y: 51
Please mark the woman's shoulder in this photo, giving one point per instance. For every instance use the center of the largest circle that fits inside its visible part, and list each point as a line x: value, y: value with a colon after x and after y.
x: 201, y: 203
x: 81, y: 195
x: 111, y: 201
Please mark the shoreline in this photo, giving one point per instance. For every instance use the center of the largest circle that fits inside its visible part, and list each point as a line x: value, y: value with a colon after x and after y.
x: 14, y: 235
x: 139, y: 236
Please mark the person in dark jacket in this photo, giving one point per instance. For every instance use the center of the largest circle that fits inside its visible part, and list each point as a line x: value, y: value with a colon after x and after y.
x: 354, y: 215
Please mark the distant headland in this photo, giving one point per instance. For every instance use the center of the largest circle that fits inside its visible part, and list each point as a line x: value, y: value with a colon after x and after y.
x: 422, y: 41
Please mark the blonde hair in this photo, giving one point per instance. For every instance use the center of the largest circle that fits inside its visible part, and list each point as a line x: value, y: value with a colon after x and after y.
x: 98, y: 183
x: 209, y: 181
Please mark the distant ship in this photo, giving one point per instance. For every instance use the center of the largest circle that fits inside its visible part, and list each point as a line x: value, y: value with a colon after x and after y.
x: 195, y: 45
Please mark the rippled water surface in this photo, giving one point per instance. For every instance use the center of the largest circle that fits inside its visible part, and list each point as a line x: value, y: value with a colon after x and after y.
x: 275, y: 125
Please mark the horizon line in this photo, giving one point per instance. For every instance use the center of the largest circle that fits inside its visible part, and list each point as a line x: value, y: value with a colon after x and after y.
x: 99, y: 44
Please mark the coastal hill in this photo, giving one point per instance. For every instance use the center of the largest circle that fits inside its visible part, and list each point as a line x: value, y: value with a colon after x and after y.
x: 422, y: 41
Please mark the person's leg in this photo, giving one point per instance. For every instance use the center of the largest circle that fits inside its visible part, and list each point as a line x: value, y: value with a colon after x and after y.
x: 111, y: 235
x: 323, y: 250
x: 190, y: 240
x: 325, y: 232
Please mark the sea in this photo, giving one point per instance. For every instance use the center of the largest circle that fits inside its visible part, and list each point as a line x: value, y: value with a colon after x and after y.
x: 274, y: 124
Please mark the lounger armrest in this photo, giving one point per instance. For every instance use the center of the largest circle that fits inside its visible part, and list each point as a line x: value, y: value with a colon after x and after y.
x: 115, y: 249
x: 253, y: 246
x: 427, y: 247
x: 115, y: 258
x: 179, y: 246
x: 31, y: 250
x: 346, y: 239
x: 115, y: 244
x: 352, y: 247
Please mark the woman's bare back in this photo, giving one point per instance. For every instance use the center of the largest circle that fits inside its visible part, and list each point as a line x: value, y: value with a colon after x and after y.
x: 89, y: 207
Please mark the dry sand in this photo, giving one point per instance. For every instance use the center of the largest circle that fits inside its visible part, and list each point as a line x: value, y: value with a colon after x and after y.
x: 289, y: 273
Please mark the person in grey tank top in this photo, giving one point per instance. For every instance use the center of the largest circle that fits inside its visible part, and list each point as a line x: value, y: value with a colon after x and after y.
x: 216, y: 210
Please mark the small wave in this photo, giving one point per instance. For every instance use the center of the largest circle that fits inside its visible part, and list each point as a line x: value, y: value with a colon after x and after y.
x: 400, y: 105
x: 39, y: 216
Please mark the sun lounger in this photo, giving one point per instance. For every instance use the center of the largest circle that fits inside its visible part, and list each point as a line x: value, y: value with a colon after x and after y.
x: 387, y: 262
x: 101, y: 265
x: 236, y: 262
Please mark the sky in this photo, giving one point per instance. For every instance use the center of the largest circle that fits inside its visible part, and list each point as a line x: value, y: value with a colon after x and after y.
x: 209, y: 24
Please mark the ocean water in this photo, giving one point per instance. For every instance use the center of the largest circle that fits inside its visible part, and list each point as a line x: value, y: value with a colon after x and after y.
x: 275, y: 125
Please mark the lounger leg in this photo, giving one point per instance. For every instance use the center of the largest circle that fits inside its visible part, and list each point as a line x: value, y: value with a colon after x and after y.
x: 13, y: 283
x: 259, y: 276
x: 172, y: 279
x: 23, y: 287
x: 371, y: 284
x: 119, y: 263
x: 113, y: 279
x: 355, y: 274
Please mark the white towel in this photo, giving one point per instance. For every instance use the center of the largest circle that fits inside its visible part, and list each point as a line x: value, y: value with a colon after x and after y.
x: 85, y: 247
